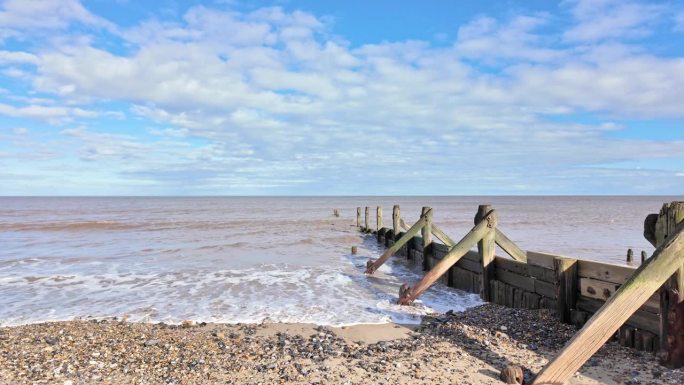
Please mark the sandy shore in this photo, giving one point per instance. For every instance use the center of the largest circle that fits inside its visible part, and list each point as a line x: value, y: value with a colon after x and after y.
x: 455, y: 348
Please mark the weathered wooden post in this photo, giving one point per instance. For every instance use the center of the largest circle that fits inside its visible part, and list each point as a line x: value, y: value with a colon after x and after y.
x: 396, y: 216
x: 353, y: 250
x: 672, y: 293
x: 367, y: 216
x: 378, y: 218
x: 486, y: 248
x: 630, y: 255
x: 566, y: 286
x: 426, y: 233
x: 358, y: 216
x: 644, y: 256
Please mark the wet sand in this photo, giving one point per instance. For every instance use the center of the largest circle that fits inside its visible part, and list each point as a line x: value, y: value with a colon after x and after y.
x: 455, y: 348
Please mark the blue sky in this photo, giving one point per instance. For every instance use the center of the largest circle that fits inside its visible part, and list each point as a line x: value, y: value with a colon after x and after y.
x: 102, y: 97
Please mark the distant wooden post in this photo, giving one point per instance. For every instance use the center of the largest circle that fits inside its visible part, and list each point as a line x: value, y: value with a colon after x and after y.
x: 427, y: 236
x: 672, y: 293
x: 378, y: 218
x: 367, y: 216
x: 486, y: 248
x: 630, y: 255
x: 358, y: 217
x: 566, y: 286
x: 396, y: 216
x: 644, y: 256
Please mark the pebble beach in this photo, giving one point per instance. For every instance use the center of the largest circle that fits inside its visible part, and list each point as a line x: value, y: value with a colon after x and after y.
x: 469, y: 347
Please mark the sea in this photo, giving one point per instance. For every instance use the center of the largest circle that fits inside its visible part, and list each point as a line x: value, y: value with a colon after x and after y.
x: 265, y: 259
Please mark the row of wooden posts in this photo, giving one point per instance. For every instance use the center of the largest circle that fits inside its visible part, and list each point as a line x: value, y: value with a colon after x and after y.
x: 663, y: 273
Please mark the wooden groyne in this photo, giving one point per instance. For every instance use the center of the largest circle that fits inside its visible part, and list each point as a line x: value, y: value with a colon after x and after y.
x: 643, y: 308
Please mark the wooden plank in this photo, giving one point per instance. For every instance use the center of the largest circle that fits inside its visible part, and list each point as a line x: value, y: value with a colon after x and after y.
x: 517, y: 280
x: 541, y: 259
x: 538, y: 272
x: 648, y: 278
x: 469, y: 265
x: 566, y: 286
x: 486, y: 248
x: 456, y: 252
x: 358, y: 217
x: 510, y: 247
x: 532, y: 300
x: 601, y: 290
x: 605, y: 271
x: 546, y: 289
x: 367, y: 216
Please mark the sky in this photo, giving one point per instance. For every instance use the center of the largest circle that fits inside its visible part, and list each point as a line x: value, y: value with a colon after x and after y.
x: 124, y: 97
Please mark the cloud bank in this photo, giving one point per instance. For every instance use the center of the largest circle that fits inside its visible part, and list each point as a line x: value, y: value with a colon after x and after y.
x: 220, y: 100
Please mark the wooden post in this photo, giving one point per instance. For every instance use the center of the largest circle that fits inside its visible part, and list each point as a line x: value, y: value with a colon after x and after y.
x: 566, y: 287
x: 644, y: 256
x: 396, y: 215
x: 672, y: 294
x: 367, y: 216
x: 426, y: 232
x: 485, y: 226
x: 646, y: 280
x: 486, y: 248
x: 630, y: 255
x: 358, y: 217
x: 378, y: 218
x: 353, y: 250
x: 372, y: 265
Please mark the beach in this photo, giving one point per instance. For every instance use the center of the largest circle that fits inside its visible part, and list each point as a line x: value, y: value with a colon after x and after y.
x: 469, y: 347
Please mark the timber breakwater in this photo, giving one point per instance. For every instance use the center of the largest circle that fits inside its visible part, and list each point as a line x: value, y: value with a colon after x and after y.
x: 643, y: 308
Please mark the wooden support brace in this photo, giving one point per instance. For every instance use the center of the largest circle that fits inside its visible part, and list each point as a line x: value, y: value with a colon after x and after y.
x: 372, y: 266
x: 648, y: 278
x: 437, y: 232
x: 510, y: 247
x: 455, y: 253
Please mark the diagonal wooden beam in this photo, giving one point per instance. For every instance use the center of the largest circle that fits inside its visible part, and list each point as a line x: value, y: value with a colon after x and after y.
x: 645, y: 281
x: 408, y: 295
x: 372, y: 265
x: 436, y: 231
x: 510, y: 247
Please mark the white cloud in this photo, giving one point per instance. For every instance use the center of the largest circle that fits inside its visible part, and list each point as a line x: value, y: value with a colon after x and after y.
x: 611, y: 19
x: 47, y: 14
x: 17, y: 57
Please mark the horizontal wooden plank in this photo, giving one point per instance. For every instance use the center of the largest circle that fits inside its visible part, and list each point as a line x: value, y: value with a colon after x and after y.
x: 641, y: 319
x: 604, y: 271
x: 596, y: 289
x: 546, y: 289
x: 541, y: 259
x: 538, y: 272
x: 520, y: 281
x: 602, y: 290
x: 470, y: 265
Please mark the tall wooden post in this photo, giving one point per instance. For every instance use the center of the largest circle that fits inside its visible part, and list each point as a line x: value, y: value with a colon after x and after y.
x: 396, y: 217
x: 566, y: 286
x: 427, y: 236
x: 486, y: 248
x: 367, y: 216
x: 378, y: 219
x: 358, y: 216
x: 672, y: 293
